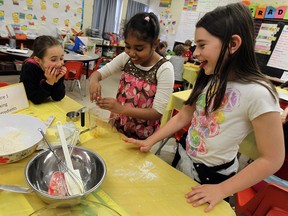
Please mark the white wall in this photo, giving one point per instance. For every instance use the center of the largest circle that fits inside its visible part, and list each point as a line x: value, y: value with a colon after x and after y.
x: 175, y: 11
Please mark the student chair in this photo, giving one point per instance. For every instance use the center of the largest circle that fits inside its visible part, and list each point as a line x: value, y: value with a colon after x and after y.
x: 74, y: 73
x: 268, y: 201
x: 176, y: 135
x: 98, y: 62
x: 178, y: 87
x: 2, y: 84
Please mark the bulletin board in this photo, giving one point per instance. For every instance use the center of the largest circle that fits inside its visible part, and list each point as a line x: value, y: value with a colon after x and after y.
x: 274, y: 63
x: 39, y: 17
x: 192, y: 11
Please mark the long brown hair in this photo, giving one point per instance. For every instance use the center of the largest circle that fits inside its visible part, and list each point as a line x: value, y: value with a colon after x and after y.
x: 42, y: 43
x: 223, y: 23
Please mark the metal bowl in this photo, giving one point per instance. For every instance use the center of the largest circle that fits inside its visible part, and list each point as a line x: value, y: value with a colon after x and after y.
x: 72, y: 116
x: 40, y: 168
x: 86, y: 207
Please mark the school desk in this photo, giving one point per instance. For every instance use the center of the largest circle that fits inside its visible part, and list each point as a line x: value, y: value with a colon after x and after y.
x: 18, y: 55
x: 136, y: 183
x: 190, y: 73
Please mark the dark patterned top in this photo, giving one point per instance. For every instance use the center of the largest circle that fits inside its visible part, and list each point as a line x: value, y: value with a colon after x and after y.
x: 137, y: 88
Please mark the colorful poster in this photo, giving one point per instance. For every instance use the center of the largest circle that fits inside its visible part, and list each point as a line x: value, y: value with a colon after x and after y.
x: 167, y: 23
x: 279, y: 57
x: 165, y: 3
x: 265, y: 37
x: 190, y: 5
x: 39, y: 17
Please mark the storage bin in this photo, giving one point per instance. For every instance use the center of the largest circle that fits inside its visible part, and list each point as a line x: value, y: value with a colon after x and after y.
x: 18, y: 65
x: 97, y: 41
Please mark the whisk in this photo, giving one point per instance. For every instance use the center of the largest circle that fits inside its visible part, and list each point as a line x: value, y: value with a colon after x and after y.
x: 62, y: 168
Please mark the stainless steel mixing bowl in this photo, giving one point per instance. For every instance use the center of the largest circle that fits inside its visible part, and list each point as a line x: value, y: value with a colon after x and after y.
x: 40, y: 168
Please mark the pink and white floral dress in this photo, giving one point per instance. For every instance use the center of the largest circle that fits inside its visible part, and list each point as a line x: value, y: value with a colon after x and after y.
x: 137, y: 88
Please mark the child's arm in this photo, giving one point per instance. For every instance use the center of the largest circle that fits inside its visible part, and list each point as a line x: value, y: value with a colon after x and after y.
x: 284, y: 115
x: 165, y: 81
x: 175, y: 124
x: 270, y: 142
x: 114, y: 106
x: 95, y: 87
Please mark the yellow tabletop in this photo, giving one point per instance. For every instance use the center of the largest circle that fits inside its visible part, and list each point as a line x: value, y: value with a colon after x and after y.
x: 247, y: 147
x: 136, y: 183
x: 190, y: 72
x: 175, y: 102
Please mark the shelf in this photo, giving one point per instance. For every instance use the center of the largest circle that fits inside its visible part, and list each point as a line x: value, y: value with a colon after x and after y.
x: 10, y: 72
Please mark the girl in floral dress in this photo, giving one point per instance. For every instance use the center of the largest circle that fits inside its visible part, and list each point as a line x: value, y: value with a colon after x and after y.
x: 146, y: 81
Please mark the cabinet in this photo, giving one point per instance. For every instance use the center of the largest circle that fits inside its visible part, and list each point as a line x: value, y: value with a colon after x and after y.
x: 7, y: 65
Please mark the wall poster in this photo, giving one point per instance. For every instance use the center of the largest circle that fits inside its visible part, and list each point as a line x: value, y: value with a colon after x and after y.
x: 39, y: 17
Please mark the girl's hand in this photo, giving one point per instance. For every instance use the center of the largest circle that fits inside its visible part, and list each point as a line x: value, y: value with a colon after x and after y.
x: 51, y: 75
x: 144, y: 145
x: 201, y: 194
x: 110, y: 104
x: 95, y: 87
x: 61, y: 72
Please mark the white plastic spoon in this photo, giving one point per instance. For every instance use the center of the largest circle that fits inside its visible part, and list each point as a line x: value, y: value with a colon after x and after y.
x: 72, y: 177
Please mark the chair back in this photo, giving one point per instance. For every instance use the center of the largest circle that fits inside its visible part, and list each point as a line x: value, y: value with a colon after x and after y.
x: 180, y: 133
x: 271, y: 200
x: 74, y: 70
x: 96, y: 67
x: 178, y: 87
x: 2, y: 84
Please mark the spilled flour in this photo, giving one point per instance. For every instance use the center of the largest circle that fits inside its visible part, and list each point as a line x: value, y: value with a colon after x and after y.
x: 138, y: 172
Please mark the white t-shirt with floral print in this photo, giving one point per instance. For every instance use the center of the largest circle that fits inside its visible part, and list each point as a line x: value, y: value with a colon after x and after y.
x: 215, y: 139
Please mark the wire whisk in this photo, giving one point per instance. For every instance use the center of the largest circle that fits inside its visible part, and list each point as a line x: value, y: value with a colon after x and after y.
x: 63, y: 188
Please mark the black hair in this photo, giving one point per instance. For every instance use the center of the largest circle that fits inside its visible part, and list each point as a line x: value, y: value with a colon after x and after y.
x: 161, y: 46
x: 42, y: 43
x: 241, y: 66
x: 145, y: 26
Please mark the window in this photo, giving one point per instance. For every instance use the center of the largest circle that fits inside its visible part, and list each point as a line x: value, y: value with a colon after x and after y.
x: 106, y: 15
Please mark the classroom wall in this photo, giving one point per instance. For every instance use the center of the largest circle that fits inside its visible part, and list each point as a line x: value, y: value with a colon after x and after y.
x: 167, y: 33
x: 175, y: 12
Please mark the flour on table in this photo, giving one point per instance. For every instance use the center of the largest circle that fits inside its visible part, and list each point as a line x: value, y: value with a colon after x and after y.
x: 141, y: 172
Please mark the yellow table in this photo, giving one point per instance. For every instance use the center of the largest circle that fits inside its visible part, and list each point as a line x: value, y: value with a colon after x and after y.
x: 247, y: 147
x: 175, y: 102
x: 190, y: 73
x: 136, y: 183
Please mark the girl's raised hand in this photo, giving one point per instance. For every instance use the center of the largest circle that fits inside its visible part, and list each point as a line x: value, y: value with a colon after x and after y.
x: 61, y: 72
x: 144, y: 145
x: 51, y: 74
x: 201, y: 194
x: 95, y: 91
